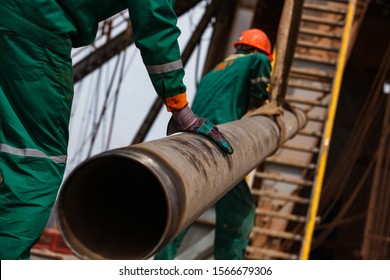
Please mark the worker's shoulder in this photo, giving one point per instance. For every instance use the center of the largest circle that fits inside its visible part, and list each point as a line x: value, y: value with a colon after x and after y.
x: 256, y: 56
x: 259, y: 56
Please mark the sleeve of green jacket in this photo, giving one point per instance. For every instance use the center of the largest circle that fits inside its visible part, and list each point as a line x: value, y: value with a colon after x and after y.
x: 260, y: 77
x: 156, y: 33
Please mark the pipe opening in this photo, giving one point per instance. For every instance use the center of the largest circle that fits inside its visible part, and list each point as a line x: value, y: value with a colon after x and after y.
x: 115, y: 209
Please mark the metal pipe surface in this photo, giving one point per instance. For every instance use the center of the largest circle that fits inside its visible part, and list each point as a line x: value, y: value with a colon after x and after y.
x: 128, y: 203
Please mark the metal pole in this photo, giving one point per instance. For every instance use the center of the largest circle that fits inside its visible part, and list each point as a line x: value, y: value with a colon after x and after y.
x: 129, y: 202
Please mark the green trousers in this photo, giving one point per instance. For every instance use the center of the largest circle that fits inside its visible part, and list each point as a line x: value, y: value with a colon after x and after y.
x: 235, y: 214
x: 36, y: 91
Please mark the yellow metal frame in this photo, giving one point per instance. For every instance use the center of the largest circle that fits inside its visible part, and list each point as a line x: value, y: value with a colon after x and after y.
x: 323, y: 156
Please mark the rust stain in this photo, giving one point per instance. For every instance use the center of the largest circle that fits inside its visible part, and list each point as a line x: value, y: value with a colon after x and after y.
x: 203, y: 159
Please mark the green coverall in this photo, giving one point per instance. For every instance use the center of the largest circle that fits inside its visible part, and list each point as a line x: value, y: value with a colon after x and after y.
x: 224, y: 95
x: 36, y: 92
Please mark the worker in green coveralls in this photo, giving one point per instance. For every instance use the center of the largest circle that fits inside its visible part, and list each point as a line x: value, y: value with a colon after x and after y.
x: 237, y: 84
x: 36, y: 92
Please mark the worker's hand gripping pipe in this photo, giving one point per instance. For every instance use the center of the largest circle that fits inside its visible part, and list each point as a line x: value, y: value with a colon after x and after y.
x: 129, y: 202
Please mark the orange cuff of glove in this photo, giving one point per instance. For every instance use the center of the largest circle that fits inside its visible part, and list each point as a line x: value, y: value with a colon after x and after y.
x: 176, y: 103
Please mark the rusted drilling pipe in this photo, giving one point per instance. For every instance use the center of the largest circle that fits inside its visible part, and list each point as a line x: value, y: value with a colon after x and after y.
x: 129, y: 202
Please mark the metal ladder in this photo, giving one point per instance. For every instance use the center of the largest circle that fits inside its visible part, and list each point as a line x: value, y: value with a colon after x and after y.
x: 286, y: 187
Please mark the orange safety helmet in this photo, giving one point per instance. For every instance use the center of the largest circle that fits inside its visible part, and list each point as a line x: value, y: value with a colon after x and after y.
x: 255, y: 38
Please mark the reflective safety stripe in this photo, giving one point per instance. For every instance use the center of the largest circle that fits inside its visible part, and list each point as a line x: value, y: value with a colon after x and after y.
x: 31, y: 153
x: 164, y: 68
x: 260, y: 79
x: 234, y: 56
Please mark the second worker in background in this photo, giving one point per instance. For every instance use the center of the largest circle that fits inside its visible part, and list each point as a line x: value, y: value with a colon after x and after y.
x: 237, y: 84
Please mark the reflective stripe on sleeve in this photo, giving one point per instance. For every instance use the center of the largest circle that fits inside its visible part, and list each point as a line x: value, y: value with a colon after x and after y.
x: 31, y: 153
x: 164, y: 68
x: 259, y: 80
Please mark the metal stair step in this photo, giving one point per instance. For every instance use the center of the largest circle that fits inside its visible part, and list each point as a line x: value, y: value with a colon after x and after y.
x: 309, y: 85
x: 309, y: 133
x: 300, y: 148
x: 278, y: 233
x: 312, y: 72
x: 314, y: 32
x: 306, y: 101
x: 324, y: 21
x: 283, y: 161
x: 324, y: 8
x: 284, y: 179
x: 280, y: 215
x: 316, y: 119
x: 307, y: 44
x: 276, y: 195
x: 259, y: 253
x: 338, y: 1
x: 316, y: 59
